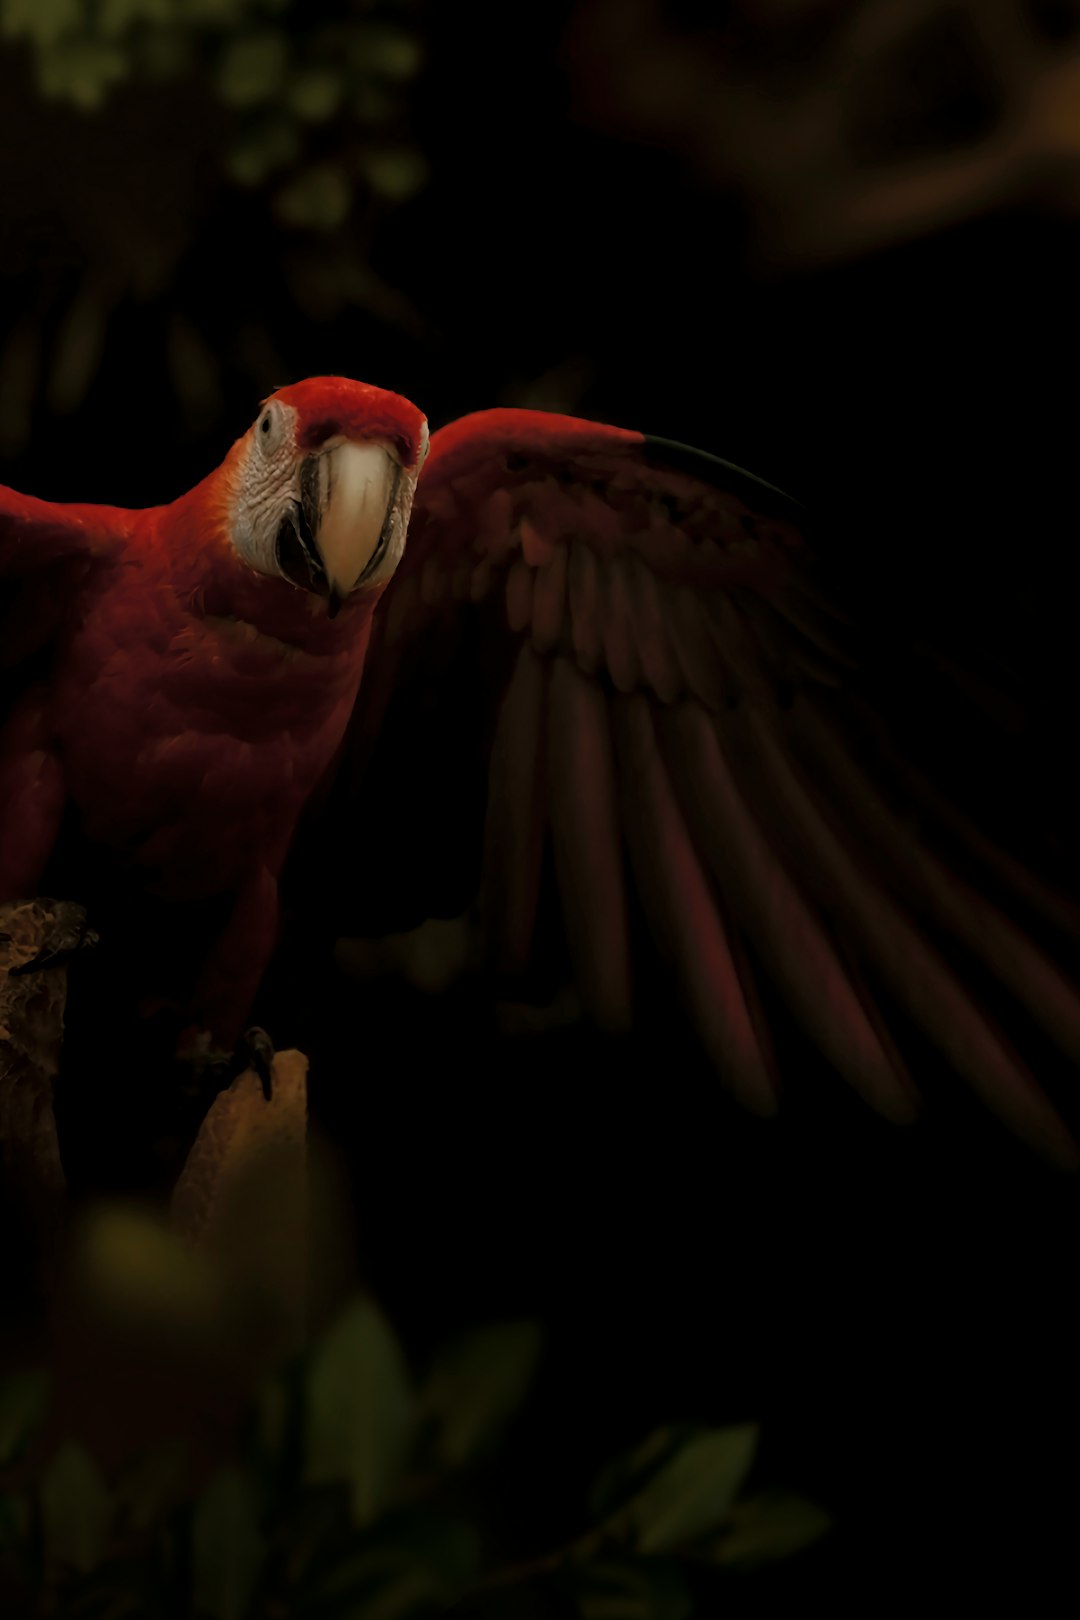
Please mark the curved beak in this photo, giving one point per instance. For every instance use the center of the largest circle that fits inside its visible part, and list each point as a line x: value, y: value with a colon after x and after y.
x: 339, y: 530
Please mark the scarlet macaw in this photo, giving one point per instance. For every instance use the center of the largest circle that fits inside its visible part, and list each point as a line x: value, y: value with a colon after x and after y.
x: 614, y: 657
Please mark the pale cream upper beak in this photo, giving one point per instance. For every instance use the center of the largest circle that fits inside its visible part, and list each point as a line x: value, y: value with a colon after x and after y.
x: 360, y: 482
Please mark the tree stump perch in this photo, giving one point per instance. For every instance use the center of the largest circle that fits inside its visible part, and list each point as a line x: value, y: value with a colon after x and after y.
x: 242, y: 1196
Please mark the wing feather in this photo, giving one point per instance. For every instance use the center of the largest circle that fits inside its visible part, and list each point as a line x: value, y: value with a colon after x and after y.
x: 549, y: 600
x: 519, y: 595
x: 706, y: 669
x: 587, y: 841
x: 1019, y: 883
x: 672, y: 705
x: 776, y: 916
x: 915, y: 973
x: 47, y: 551
x: 651, y: 632
x: 622, y: 656
x: 585, y: 607
x: 976, y: 924
x: 515, y: 819
x: 682, y: 910
x: 48, y: 555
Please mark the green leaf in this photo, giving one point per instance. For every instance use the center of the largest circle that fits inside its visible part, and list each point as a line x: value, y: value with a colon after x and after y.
x: 477, y: 1384
x: 141, y: 1278
x: 312, y: 1533
x: 361, y: 1413
x: 20, y: 367
x: 315, y: 94
x: 122, y: 1589
x: 16, y: 1518
x: 377, y: 1583
x: 165, y: 53
x: 318, y: 200
x: 194, y: 368
x: 23, y: 1399
x: 413, y: 1591
x: 80, y: 345
x: 692, y: 1493
x: 415, y: 1557
x: 252, y: 69
x: 272, y: 1412
x: 81, y: 71
x: 226, y: 1546
x: 260, y: 150
x: 76, y: 1510
x: 450, y: 1548
x: 627, y: 1473
x: 116, y: 17
x: 621, y: 1591
x: 396, y: 172
x: 222, y: 14
x: 769, y: 1527
x: 154, y: 1484
x: 343, y: 1580
x: 387, y: 51
x: 43, y: 21
x: 372, y: 103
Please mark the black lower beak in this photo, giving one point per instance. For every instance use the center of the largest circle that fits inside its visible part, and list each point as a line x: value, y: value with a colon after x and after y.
x: 297, y: 552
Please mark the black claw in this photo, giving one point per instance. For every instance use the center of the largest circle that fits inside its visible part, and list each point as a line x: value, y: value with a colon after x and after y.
x: 258, y: 1052
x: 213, y: 1071
x: 66, y: 936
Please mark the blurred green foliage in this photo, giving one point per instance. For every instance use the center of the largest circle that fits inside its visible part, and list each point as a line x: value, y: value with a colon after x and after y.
x: 281, y: 68
x: 359, y: 1485
x: 227, y: 163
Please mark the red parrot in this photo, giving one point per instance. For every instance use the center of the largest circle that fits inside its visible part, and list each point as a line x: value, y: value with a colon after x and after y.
x: 576, y: 669
x: 176, y: 680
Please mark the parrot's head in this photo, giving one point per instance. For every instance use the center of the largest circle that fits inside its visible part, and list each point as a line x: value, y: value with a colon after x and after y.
x: 322, y: 485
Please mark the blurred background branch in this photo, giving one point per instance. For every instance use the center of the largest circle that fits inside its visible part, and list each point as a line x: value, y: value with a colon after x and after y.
x: 845, y: 126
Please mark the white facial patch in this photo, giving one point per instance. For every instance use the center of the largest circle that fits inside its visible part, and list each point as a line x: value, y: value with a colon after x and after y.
x: 328, y: 520
x: 266, y: 484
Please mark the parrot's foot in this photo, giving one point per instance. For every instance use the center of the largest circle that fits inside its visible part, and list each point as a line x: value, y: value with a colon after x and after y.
x: 255, y: 1050
x: 65, y: 936
x: 214, y: 1070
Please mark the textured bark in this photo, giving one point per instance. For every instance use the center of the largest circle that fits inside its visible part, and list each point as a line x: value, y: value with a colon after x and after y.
x: 31, y: 1038
x: 242, y: 1197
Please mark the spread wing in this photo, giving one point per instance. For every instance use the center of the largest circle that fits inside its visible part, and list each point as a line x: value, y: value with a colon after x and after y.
x: 607, y: 685
x: 47, y: 556
x: 46, y: 552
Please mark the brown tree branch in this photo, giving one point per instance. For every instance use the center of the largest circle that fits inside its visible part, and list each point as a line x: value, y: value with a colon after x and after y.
x: 31, y: 1038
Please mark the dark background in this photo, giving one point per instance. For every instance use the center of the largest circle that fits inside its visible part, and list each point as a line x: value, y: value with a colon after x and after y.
x: 510, y: 218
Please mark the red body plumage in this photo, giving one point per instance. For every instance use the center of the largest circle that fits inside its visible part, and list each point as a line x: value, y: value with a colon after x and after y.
x: 192, y: 703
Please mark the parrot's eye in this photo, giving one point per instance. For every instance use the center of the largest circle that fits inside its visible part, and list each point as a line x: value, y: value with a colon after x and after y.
x: 270, y: 429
